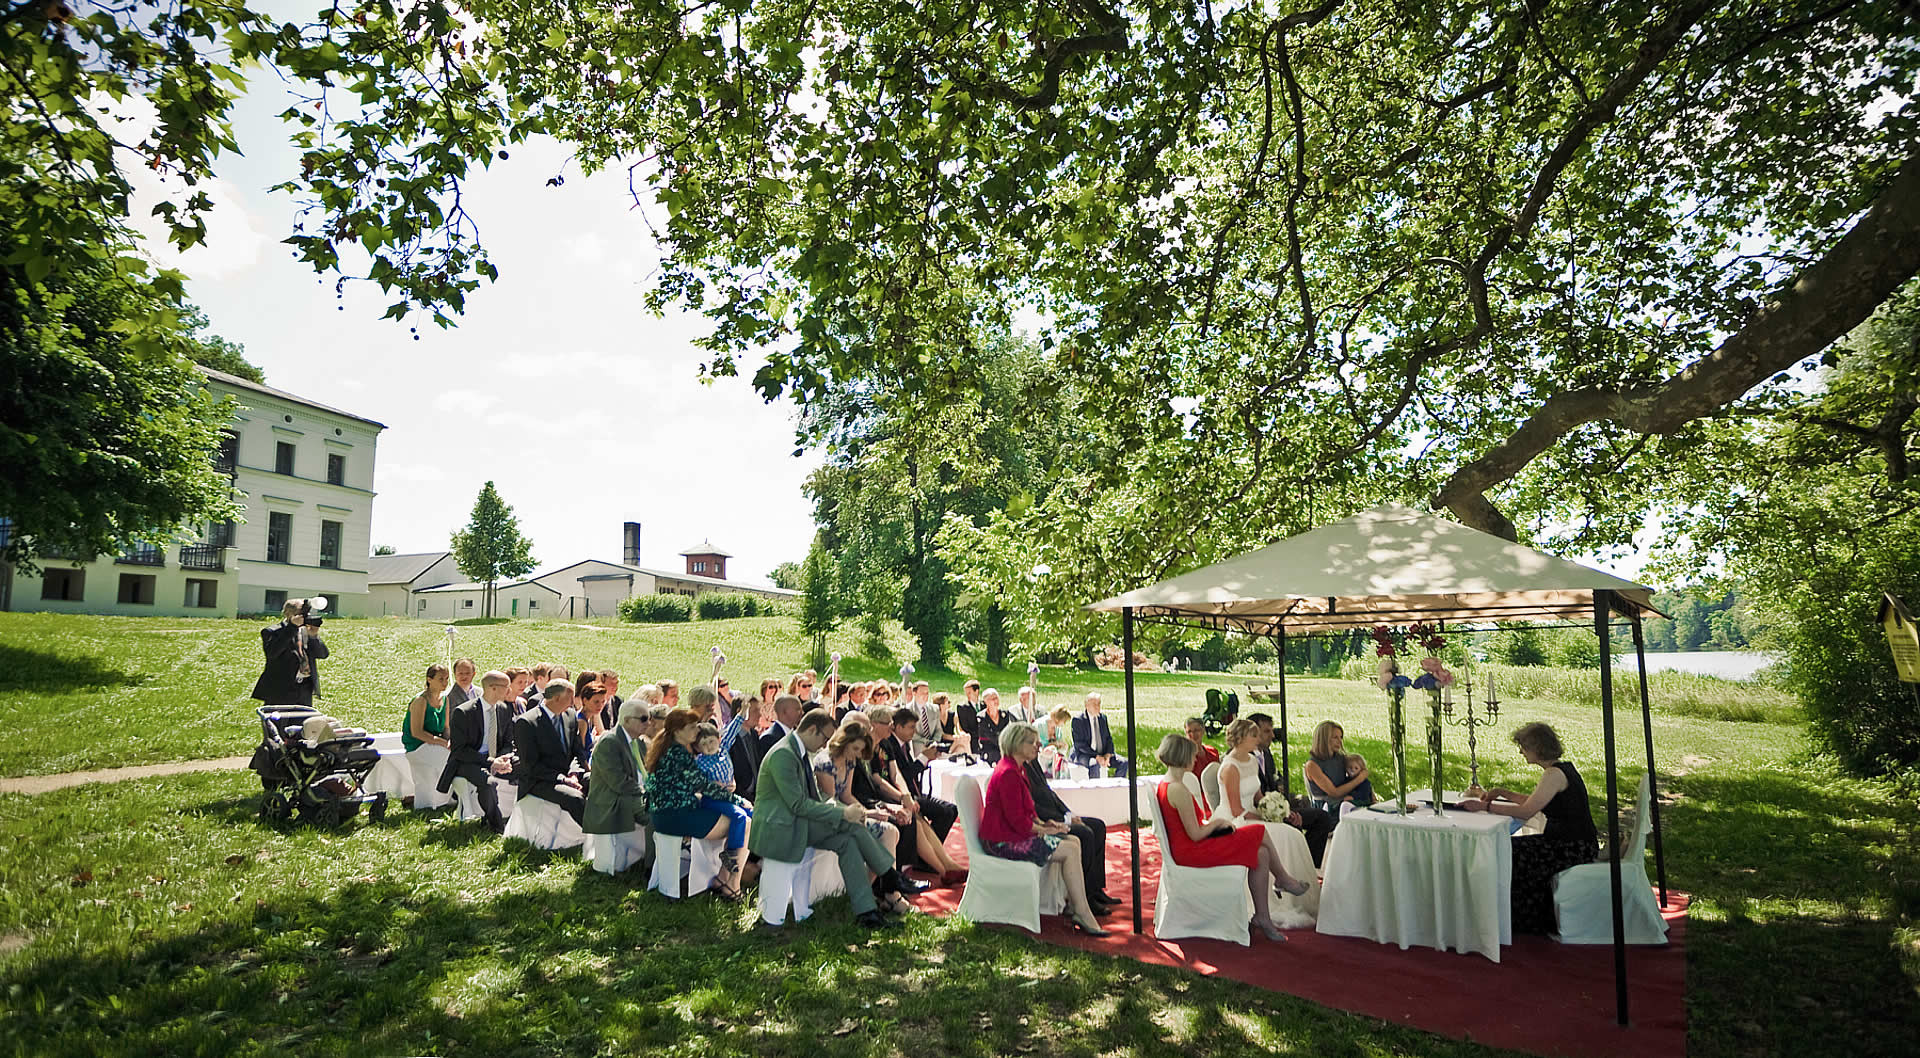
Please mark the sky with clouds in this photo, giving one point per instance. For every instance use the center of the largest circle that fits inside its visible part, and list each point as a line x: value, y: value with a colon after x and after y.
x: 584, y: 408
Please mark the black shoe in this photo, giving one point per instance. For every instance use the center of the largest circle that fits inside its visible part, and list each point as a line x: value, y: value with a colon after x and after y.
x: 908, y: 887
x: 875, y: 920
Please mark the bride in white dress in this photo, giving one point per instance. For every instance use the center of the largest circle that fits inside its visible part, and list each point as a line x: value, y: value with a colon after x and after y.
x: 1239, y: 779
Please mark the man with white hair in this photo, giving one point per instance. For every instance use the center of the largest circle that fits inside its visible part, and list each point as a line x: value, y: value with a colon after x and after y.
x: 1093, y: 742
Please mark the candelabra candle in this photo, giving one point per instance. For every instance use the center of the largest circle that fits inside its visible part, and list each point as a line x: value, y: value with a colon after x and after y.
x: 1472, y: 723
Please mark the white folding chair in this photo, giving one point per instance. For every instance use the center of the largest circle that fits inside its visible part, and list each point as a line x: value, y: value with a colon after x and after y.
x: 702, y: 866
x: 999, y: 889
x: 1198, y: 901
x: 1583, y: 895
x: 545, y: 825
x: 613, y: 853
x: 784, y: 885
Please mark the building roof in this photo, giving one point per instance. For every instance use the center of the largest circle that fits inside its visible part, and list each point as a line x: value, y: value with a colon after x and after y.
x: 401, y: 569
x: 662, y: 574
x: 241, y: 383
x: 705, y: 547
x: 476, y: 586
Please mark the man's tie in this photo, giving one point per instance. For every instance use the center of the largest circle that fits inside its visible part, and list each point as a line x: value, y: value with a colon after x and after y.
x: 806, y: 766
x: 633, y: 745
x: 486, y: 730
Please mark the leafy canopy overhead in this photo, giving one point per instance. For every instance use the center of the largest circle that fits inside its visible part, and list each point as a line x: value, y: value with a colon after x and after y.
x: 1489, y: 251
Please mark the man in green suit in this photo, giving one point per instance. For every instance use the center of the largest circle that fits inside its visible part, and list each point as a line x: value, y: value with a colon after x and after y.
x: 789, y: 817
x: 616, y: 792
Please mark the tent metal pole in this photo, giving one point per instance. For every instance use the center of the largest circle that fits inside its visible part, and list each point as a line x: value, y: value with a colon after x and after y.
x: 1653, y: 778
x: 1602, y: 611
x: 1133, y: 766
x: 1286, y: 763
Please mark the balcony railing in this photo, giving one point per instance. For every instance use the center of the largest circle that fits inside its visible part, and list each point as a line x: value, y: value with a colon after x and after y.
x: 145, y: 555
x: 208, y: 558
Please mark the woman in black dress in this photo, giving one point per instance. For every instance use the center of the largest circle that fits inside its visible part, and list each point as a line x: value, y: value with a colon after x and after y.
x: 1568, y: 840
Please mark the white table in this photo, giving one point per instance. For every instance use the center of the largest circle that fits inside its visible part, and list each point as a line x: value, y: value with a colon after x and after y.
x: 1104, y: 799
x: 1441, y: 882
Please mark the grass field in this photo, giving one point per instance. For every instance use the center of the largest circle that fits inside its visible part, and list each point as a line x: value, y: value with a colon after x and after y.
x: 160, y: 917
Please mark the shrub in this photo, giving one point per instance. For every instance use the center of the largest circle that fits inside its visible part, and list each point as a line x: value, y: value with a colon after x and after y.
x: 1517, y: 645
x: 1573, y: 648
x: 658, y: 608
x: 718, y: 606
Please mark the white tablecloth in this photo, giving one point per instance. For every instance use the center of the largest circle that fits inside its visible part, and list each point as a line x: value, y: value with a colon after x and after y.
x: 1104, y: 799
x: 1440, y: 882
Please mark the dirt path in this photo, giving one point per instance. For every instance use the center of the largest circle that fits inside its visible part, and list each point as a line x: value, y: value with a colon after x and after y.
x: 39, y: 784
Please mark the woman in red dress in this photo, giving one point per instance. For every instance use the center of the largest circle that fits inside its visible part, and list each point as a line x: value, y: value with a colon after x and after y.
x: 1197, y: 836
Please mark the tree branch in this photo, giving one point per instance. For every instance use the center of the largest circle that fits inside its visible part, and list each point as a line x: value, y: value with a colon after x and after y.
x: 1826, y: 300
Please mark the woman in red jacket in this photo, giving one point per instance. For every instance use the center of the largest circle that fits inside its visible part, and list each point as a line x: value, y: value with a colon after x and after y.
x: 1012, y: 830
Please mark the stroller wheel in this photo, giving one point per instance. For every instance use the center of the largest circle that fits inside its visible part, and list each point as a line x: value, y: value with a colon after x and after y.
x: 326, y: 813
x: 275, y: 807
x: 377, y: 808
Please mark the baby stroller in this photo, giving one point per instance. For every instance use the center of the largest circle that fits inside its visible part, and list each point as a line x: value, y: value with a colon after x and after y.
x: 323, y: 779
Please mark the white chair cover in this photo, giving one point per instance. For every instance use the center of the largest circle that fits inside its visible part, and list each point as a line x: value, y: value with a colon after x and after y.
x: 1210, y: 784
x: 613, y: 853
x: 466, y: 800
x: 826, y: 877
x: 999, y: 889
x: 787, y: 884
x: 1198, y: 901
x: 425, y: 765
x: 545, y: 825
x: 392, y: 775
x: 701, y: 870
x: 1583, y: 895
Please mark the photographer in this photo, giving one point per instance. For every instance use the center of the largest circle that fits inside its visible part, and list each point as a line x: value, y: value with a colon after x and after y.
x: 293, y: 648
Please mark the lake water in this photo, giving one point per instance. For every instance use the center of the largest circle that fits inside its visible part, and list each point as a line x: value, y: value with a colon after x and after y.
x: 1727, y: 664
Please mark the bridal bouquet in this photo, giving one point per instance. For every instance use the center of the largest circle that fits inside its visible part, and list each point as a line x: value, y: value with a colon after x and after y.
x: 1274, y: 807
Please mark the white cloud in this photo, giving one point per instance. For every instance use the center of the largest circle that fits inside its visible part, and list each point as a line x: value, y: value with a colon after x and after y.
x: 391, y: 473
x: 234, y: 241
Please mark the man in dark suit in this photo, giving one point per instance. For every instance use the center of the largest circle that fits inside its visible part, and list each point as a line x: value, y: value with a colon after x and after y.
x: 940, y: 815
x: 545, y: 751
x: 293, y: 650
x: 786, y: 716
x: 463, y: 690
x: 1091, y: 832
x: 1314, y: 822
x: 480, y: 734
x: 1093, y: 743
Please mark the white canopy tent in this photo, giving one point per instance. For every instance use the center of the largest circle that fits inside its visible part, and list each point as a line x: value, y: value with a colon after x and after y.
x: 1395, y: 565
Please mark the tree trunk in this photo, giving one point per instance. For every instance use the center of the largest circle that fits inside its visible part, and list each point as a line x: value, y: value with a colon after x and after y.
x: 1826, y: 300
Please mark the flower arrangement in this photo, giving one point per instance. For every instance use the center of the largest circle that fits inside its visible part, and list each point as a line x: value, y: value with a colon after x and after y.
x: 1433, y: 676
x: 1274, y: 806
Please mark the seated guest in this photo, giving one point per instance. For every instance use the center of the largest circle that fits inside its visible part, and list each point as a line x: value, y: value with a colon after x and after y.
x: 1197, y: 734
x: 611, y: 681
x: 1334, y: 776
x: 834, y: 768
x: 1093, y: 742
x: 423, y: 734
x: 538, y: 677
x: 1315, y: 822
x: 793, y: 817
x: 931, y: 818
x: 544, y: 752
x: 1240, y: 797
x: 463, y: 689
x: 669, y: 693
x: 769, y: 692
x: 1024, y: 710
x: 1569, y: 839
x: 481, y: 745
x: 967, y: 713
x: 720, y: 763
x: 988, y: 723
x: 685, y: 803
x: 1012, y: 829
x: 591, y: 718
x: 801, y: 687
x: 1198, y: 836
x: 518, y: 680
x: 787, y: 710
x: 616, y: 798
x: 1091, y: 833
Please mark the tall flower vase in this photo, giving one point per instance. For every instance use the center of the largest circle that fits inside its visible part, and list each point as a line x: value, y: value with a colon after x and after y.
x: 1397, y: 731
x: 1433, y: 749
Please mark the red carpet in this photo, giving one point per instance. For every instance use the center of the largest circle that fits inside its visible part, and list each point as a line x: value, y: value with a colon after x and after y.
x: 1542, y: 997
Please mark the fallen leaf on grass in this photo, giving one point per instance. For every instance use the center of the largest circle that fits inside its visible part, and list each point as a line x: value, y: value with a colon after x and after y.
x: 847, y: 1027
x: 236, y: 860
x: 81, y: 877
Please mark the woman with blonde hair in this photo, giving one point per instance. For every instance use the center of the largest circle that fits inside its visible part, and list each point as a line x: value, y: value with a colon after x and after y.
x: 1011, y: 827
x: 834, y: 767
x: 1198, y: 835
x: 1336, y: 778
x: 1240, y: 801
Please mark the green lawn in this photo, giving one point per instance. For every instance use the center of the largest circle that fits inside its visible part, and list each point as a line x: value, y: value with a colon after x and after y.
x: 159, y: 917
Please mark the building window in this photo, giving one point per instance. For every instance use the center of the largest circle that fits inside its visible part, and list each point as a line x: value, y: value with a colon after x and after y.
x: 283, y: 458
x: 330, y: 544
x: 65, y: 585
x: 466, y: 604
x: 136, y: 589
x: 423, y: 607
x: 276, y: 600
x: 336, y: 469
x: 533, y: 604
x: 202, y: 594
x: 221, y: 534
x: 699, y: 567
x: 279, y: 536
x: 228, y: 457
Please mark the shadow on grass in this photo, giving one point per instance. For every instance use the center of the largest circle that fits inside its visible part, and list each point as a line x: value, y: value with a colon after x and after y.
x: 25, y: 669
x: 1764, y: 854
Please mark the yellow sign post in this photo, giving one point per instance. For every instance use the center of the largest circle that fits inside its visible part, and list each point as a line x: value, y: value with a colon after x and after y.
x: 1903, y: 636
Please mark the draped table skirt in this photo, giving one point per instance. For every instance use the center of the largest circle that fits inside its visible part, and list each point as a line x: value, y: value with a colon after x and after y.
x: 1436, y: 881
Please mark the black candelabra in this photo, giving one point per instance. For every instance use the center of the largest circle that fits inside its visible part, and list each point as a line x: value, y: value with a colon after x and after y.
x: 1470, y: 722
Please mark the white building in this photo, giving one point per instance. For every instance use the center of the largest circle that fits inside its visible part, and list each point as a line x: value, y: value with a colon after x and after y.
x: 305, y: 474
x: 393, y: 581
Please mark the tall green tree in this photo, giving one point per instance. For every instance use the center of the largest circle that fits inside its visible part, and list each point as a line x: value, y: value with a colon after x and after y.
x: 491, y: 546
x: 819, y: 608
